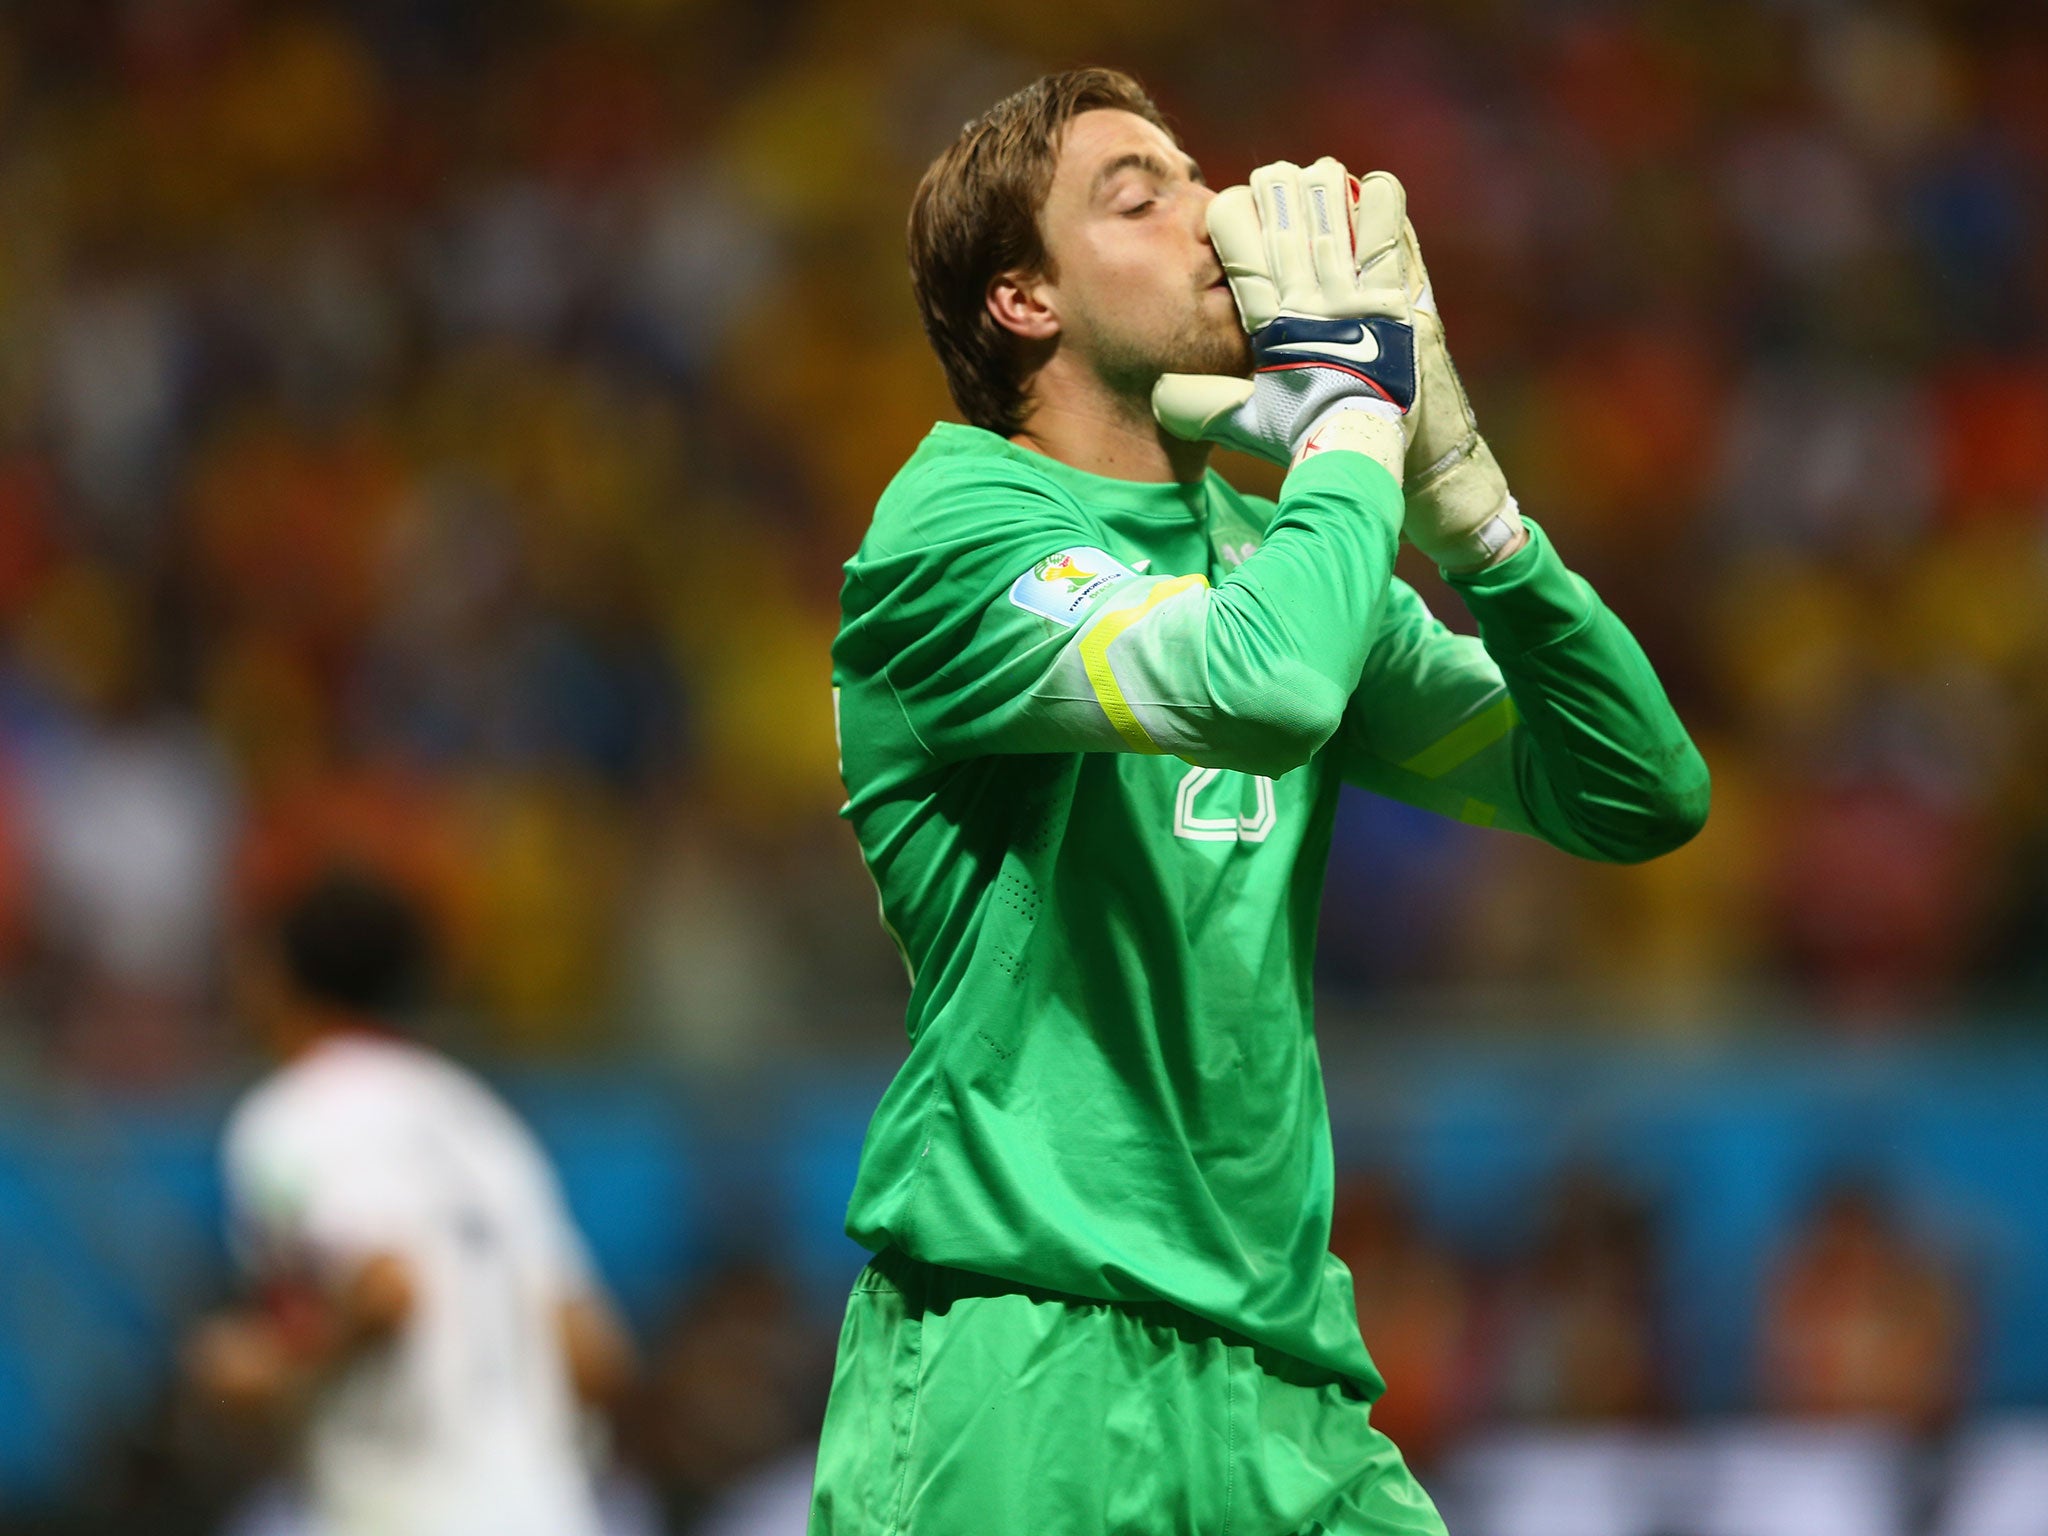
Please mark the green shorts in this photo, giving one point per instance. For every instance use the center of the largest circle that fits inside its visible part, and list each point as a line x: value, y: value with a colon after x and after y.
x: 965, y: 1406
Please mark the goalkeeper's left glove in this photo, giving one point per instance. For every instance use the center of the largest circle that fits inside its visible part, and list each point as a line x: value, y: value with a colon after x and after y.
x: 1460, y: 512
x: 1316, y: 264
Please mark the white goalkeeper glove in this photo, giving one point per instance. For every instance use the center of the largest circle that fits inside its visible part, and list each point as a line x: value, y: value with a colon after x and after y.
x: 1316, y: 263
x: 1460, y: 512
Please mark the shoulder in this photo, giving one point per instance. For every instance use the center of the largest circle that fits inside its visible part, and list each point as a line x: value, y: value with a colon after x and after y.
x: 964, y: 483
x: 289, y: 1126
x: 260, y: 1119
x: 344, y: 1089
x: 458, y: 1103
x: 969, y: 515
x: 481, y: 1112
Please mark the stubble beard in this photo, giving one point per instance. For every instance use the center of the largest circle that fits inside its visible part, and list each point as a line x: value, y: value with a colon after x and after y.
x: 1211, y: 344
x: 1204, y: 343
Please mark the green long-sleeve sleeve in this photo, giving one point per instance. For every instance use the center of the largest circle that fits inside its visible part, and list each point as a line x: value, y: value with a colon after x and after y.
x: 1008, y: 625
x: 1552, y: 722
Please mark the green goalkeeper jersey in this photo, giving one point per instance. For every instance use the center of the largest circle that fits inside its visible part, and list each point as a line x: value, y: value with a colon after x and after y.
x: 1093, y: 733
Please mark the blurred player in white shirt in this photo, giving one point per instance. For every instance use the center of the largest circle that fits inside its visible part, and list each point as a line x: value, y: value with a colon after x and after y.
x: 425, y: 1302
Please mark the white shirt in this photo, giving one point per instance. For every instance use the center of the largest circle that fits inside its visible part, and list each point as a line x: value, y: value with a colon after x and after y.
x: 466, y: 1424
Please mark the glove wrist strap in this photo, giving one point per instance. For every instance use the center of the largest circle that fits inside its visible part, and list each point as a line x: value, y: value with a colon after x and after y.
x: 1485, y: 544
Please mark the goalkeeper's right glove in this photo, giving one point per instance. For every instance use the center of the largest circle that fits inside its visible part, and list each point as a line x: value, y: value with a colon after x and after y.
x: 1317, y: 266
x: 1460, y: 512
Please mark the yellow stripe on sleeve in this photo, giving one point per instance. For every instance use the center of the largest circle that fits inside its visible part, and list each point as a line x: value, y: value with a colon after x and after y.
x: 1095, y: 658
x: 1467, y: 741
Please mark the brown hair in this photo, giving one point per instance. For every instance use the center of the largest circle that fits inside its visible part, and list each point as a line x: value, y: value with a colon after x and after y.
x: 975, y: 215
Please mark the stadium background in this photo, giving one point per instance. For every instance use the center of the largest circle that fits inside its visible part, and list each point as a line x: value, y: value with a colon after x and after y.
x: 430, y: 430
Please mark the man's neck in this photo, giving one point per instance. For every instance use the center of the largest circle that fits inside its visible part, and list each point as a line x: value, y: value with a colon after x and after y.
x: 304, y: 1028
x: 1091, y: 428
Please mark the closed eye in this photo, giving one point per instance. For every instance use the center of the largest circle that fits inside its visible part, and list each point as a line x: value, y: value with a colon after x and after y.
x: 1139, y: 208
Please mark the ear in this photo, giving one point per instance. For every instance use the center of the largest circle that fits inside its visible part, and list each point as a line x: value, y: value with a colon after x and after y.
x: 1020, y: 303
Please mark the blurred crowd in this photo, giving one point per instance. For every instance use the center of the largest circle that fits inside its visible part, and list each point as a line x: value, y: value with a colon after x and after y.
x: 1861, y: 1320
x: 433, y: 430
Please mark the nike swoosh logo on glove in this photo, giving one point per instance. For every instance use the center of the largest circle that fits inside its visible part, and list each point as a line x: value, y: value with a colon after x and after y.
x: 1380, y: 351
x: 1360, y: 347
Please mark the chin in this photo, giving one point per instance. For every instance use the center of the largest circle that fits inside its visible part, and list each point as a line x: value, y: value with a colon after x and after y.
x: 1209, y: 342
x: 1206, y: 342
x: 1226, y: 349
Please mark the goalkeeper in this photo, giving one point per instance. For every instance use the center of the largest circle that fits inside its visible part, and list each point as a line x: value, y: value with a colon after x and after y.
x: 1096, y: 708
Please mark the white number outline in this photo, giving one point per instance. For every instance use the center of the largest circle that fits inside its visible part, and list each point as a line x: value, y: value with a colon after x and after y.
x: 1255, y: 828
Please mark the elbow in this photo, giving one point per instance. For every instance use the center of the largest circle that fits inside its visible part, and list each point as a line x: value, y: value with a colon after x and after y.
x: 1671, y: 815
x: 1276, y: 731
x: 1676, y: 820
x: 1274, y: 757
x: 1688, y: 796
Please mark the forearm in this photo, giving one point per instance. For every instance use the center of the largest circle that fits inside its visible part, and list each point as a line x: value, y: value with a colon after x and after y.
x: 1254, y: 674
x: 1603, y: 766
x: 1288, y: 631
x: 265, y: 1363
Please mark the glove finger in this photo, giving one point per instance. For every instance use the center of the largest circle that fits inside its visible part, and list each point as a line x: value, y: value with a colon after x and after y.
x: 1241, y: 248
x: 1326, y: 207
x: 1421, y: 295
x: 1376, y: 229
x: 1277, y: 188
x: 1189, y: 405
